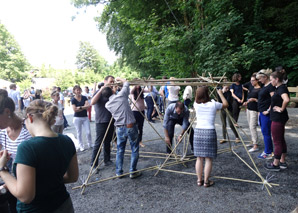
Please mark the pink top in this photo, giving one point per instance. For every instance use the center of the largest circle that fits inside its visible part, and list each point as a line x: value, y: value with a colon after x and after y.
x: 140, y: 104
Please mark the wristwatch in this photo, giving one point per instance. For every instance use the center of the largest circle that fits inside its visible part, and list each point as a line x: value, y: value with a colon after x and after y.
x: 5, y: 168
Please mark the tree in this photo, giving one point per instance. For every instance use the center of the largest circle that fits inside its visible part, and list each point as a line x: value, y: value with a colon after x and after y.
x: 13, y: 63
x: 88, y: 58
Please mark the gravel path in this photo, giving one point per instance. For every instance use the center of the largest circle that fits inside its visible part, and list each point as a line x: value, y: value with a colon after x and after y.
x: 172, y: 192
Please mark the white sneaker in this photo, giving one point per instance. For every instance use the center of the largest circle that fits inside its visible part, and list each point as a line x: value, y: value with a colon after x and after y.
x: 253, y: 150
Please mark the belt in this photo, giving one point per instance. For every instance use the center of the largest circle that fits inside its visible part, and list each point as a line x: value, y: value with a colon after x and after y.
x: 127, y: 125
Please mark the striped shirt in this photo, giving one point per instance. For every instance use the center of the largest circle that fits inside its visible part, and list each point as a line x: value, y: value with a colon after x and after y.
x: 12, y: 145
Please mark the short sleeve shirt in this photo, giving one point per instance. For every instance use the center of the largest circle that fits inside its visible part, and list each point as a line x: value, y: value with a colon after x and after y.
x: 237, y: 89
x: 252, y: 93
x: 205, y: 113
x: 78, y: 104
x: 50, y: 156
x: 276, y: 100
x: 264, y: 98
x: 102, y: 115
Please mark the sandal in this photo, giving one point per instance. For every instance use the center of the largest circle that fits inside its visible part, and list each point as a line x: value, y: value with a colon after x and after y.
x: 222, y: 141
x: 200, y: 182
x: 209, y: 183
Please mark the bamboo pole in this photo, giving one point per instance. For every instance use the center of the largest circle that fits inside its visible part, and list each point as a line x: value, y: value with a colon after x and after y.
x: 97, y: 155
x: 218, y: 177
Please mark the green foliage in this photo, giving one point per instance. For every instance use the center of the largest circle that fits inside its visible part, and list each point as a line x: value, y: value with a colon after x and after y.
x: 25, y: 84
x: 208, y: 36
x: 89, y: 59
x: 13, y: 64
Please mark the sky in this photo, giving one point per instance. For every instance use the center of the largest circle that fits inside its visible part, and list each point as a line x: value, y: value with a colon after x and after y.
x: 46, y: 33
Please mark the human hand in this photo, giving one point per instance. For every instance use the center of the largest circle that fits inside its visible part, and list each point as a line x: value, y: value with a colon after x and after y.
x: 245, y: 103
x: 265, y: 113
x: 179, y: 138
x: 4, y: 157
x: 277, y: 109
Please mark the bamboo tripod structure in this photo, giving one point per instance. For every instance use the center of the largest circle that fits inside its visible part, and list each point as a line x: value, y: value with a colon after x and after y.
x: 182, y: 159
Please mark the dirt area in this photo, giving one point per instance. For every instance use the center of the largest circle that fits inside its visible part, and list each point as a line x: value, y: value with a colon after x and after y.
x: 173, y: 192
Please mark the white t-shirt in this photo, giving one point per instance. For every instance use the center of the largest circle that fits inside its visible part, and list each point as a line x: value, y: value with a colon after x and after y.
x: 206, y: 114
x: 187, y: 94
x: 59, y: 118
x: 173, y: 93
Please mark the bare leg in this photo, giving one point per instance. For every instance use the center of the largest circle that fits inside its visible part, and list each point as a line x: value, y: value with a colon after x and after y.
x: 199, y: 168
x: 208, y: 169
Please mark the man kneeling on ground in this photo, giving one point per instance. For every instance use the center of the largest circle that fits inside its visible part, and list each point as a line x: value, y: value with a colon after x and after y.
x: 126, y: 127
x: 176, y: 113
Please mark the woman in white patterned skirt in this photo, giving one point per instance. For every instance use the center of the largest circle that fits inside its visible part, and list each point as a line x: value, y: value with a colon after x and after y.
x: 205, y: 139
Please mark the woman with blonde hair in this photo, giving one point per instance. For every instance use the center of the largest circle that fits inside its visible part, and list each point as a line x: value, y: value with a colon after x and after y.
x: 43, y: 164
x: 264, y: 100
x: 205, y: 138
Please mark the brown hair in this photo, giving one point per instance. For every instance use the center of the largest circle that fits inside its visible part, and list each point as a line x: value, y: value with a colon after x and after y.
x: 76, y: 87
x: 179, y: 105
x: 202, y: 95
x: 235, y: 77
x: 11, y: 86
x: 54, y: 93
x: 44, y: 110
x: 279, y: 75
x: 6, y: 102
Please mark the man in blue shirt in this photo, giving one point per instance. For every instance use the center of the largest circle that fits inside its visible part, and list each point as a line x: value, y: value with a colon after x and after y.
x: 176, y: 113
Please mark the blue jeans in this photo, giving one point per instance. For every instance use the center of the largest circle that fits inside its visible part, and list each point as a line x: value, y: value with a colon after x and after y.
x: 124, y: 133
x: 265, y: 123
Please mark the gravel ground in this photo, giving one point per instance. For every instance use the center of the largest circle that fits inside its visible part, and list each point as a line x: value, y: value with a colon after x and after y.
x: 172, y: 192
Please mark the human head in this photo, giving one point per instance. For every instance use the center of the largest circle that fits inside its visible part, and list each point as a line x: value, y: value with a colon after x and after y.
x: 253, y: 80
x: 109, y: 79
x: 55, y: 96
x: 100, y: 85
x: 179, y: 107
x: 263, y: 75
x: 7, y: 108
x: 276, y: 77
x: 40, y: 111
x: 12, y: 86
x: 106, y: 93
x: 32, y: 88
x: 58, y: 89
x: 77, y: 90
x: 164, y: 77
x: 86, y: 89
x: 202, y: 95
x: 236, y: 77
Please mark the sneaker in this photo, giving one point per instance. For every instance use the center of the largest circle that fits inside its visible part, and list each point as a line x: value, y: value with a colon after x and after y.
x: 272, y: 167
x: 135, y: 175
x: 263, y: 155
x: 249, y: 145
x: 253, y: 150
x: 119, y: 176
x: 108, y: 163
x: 283, y: 165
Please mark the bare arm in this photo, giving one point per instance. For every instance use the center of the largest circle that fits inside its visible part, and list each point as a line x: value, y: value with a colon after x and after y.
x: 24, y: 187
x: 286, y: 100
x: 72, y: 172
x: 225, y: 103
x: 96, y: 97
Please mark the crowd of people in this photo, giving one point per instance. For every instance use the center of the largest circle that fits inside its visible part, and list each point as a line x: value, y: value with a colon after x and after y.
x: 37, y: 159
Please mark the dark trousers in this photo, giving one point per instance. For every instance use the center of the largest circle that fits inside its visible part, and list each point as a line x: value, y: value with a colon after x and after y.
x: 224, y: 125
x: 187, y: 102
x: 150, y: 107
x: 65, y: 121
x: 236, y: 109
x: 171, y: 132
x: 101, y: 129
x: 140, y: 122
x: 278, y: 136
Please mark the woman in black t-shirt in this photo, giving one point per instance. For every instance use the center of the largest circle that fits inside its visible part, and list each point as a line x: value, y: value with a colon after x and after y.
x: 238, y: 95
x: 253, y: 88
x: 279, y: 117
x: 80, y: 105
